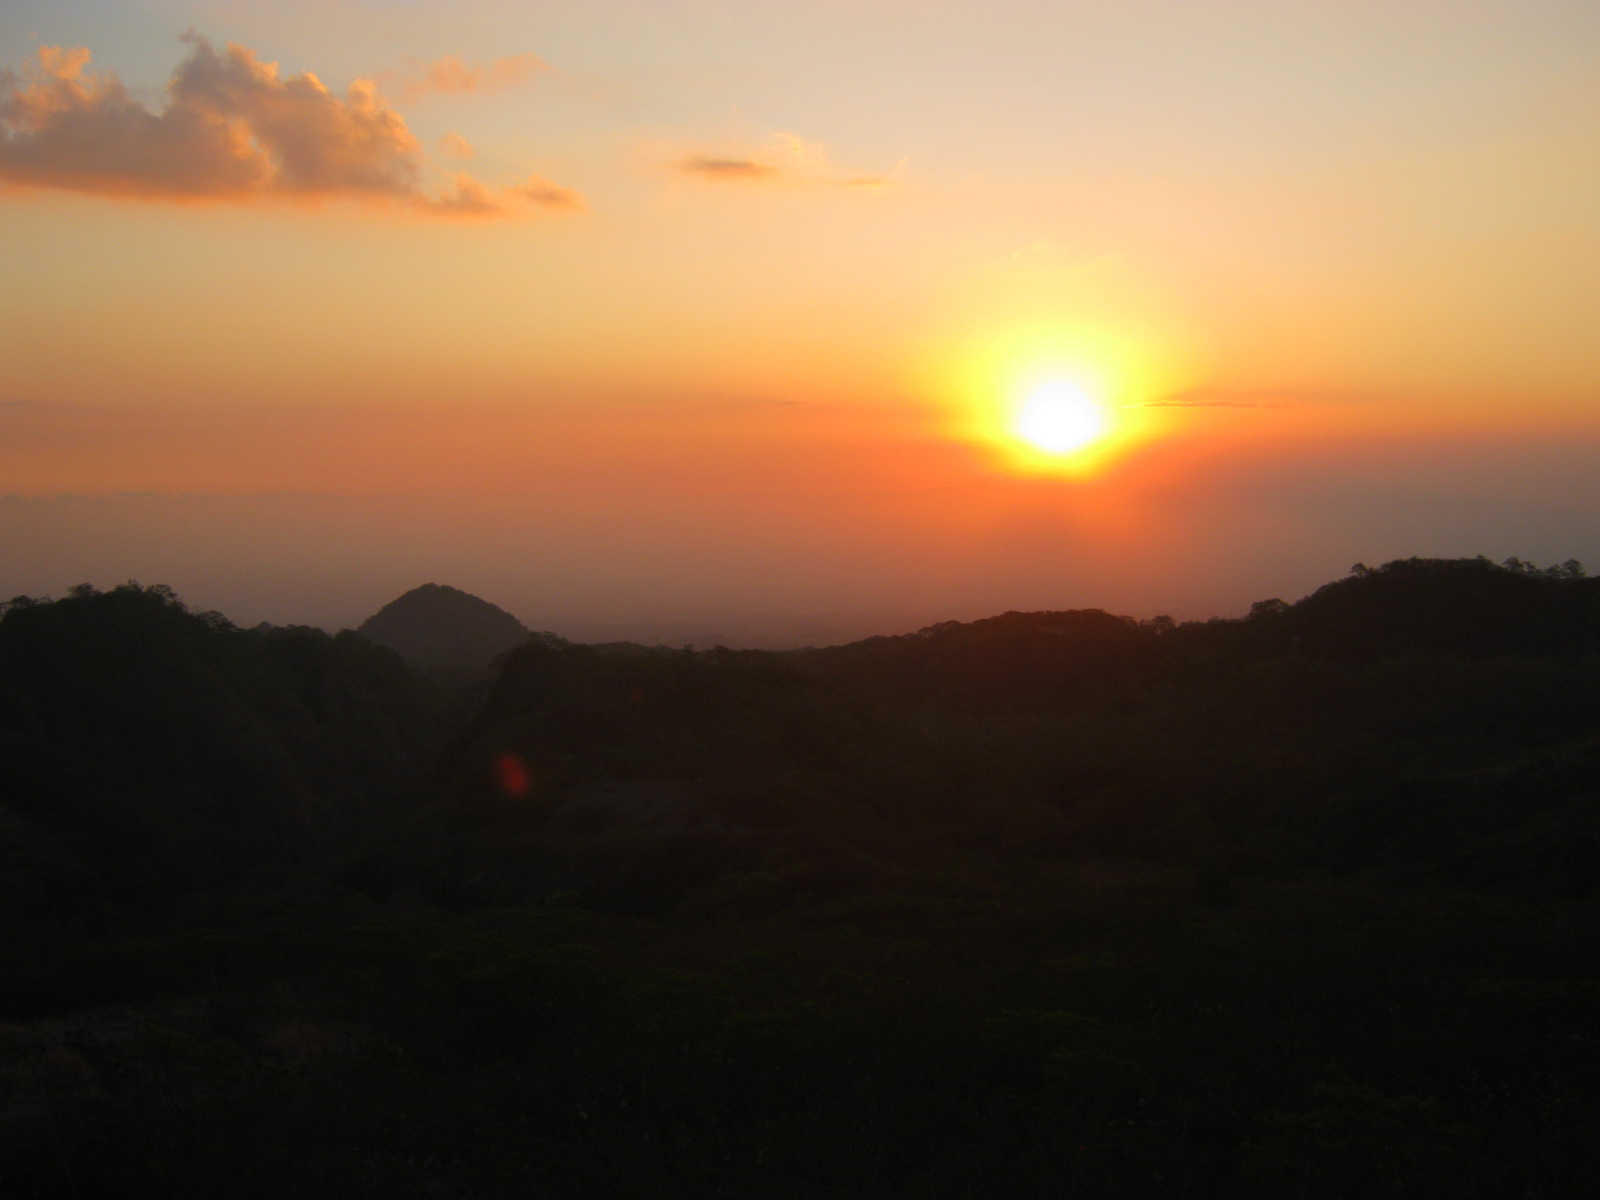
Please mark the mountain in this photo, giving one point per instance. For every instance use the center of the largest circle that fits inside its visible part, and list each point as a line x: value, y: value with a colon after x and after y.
x: 435, y: 625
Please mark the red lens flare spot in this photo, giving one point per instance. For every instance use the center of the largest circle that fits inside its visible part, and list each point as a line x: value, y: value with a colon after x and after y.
x: 511, y: 773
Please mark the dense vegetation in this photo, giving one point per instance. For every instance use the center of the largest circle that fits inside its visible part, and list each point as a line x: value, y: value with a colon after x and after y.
x: 1303, y: 904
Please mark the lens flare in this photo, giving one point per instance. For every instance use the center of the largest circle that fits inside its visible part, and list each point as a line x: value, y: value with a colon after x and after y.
x: 512, y: 774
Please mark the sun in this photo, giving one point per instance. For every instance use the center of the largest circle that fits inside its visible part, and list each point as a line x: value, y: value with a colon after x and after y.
x: 1047, y: 401
x: 1060, y: 418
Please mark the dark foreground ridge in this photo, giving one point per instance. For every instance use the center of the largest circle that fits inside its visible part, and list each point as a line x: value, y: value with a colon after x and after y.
x: 1300, y: 904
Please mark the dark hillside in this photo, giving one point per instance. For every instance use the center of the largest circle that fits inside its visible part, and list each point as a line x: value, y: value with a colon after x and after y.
x: 153, y: 754
x: 1016, y: 662
x: 1058, y: 661
x: 629, y: 780
x: 1455, y: 607
x: 1299, y: 905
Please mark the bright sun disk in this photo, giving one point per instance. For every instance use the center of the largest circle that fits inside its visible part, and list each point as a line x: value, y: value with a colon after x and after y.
x: 1059, y: 418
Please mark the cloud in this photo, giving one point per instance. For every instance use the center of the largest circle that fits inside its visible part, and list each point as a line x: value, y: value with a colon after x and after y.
x: 708, y: 167
x: 232, y: 129
x: 457, y: 146
x: 1181, y: 403
x: 548, y: 195
x: 1220, y: 397
x: 469, y: 198
x: 788, y: 158
x: 452, y: 76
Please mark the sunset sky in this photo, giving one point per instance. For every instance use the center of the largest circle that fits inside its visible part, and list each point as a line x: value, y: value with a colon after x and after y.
x: 713, y: 317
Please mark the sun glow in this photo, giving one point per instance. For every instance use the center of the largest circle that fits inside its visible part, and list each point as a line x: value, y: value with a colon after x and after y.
x: 1060, y: 418
x: 1050, y: 399
x: 1058, y: 422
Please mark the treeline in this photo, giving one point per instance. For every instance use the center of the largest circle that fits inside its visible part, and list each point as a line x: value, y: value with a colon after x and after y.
x: 1298, y: 904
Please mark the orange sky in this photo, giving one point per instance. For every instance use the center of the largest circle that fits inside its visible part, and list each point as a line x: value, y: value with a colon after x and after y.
x: 715, y: 314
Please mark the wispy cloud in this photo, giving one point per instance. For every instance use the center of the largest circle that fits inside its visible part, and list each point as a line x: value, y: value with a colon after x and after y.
x: 469, y: 198
x: 787, y: 158
x: 233, y: 129
x: 1215, y: 397
x: 450, y: 75
x: 708, y: 167
x: 1179, y: 403
x: 548, y: 195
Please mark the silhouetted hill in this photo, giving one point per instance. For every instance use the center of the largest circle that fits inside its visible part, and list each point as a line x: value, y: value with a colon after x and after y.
x: 1053, y: 661
x: 438, y: 626
x: 1466, y: 606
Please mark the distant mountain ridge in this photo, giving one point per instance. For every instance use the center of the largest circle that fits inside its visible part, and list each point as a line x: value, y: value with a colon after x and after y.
x: 436, y: 625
